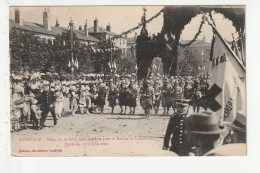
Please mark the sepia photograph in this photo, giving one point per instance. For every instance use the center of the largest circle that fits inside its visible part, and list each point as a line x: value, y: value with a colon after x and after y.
x: 123, y: 81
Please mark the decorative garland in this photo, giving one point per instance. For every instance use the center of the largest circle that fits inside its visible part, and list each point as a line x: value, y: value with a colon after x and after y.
x: 196, y: 35
x: 138, y: 26
x: 211, y: 18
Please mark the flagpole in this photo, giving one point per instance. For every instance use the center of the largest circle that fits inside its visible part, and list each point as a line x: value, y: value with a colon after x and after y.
x: 71, y: 41
x: 225, y: 43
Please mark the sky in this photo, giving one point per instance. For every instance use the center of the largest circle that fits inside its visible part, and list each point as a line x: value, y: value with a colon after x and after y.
x: 123, y: 18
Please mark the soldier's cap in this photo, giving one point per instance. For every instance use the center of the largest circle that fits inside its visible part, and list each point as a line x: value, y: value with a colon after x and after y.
x: 239, y: 123
x: 205, y: 123
x: 181, y: 103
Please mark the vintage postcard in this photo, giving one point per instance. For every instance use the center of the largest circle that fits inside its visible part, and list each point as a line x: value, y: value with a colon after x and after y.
x: 127, y: 81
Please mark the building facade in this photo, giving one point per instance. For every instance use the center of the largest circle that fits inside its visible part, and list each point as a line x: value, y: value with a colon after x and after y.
x: 196, y: 56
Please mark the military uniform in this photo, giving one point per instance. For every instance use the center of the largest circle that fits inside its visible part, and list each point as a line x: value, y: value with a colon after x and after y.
x: 176, y: 128
x: 101, y: 96
x: 112, y: 95
x: 147, y: 98
x: 157, y: 96
x: 47, y: 106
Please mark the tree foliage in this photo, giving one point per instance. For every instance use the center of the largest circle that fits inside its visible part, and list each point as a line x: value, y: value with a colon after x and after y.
x: 31, y: 53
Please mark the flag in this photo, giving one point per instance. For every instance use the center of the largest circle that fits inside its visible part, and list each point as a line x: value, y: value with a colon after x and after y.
x: 169, y: 47
x: 76, y: 63
x: 166, y: 37
x: 227, y: 93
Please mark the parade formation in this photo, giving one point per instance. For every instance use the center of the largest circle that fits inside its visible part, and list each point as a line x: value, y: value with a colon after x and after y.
x: 35, y: 95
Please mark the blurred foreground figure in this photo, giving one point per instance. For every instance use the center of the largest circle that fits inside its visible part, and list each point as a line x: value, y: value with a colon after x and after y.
x: 204, y: 132
x: 237, y: 129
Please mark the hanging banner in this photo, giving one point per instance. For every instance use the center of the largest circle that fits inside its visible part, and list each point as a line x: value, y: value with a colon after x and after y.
x: 227, y: 93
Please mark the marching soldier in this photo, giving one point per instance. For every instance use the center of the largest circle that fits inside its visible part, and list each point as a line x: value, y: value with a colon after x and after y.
x: 123, y: 96
x: 112, y: 95
x: 157, y: 95
x: 132, y: 95
x: 177, y: 93
x: 167, y: 94
x: 101, y: 96
x: 147, y: 97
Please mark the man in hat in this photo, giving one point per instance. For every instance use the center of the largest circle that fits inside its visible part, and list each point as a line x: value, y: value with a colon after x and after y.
x: 123, y: 96
x: 204, y: 132
x: 167, y: 94
x: 147, y: 97
x: 237, y: 129
x: 112, y: 95
x: 176, y: 128
x: 47, y: 99
x: 131, y: 96
x: 101, y: 96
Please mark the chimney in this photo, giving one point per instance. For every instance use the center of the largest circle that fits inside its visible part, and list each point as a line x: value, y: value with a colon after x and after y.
x: 108, y: 27
x: 18, y: 16
x: 46, y: 16
x: 95, y: 25
x: 86, y: 28
x: 57, y: 23
x: 204, y: 39
x: 80, y: 27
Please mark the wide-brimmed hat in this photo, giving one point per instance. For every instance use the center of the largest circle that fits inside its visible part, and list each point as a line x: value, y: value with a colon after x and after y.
x: 239, y: 123
x: 82, y: 87
x: 87, y: 88
x: 45, y: 83
x: 34, y: 101
x: 31, y: 95
x: 57, y: 87
x: 52, y: 85
x: 205, y: 123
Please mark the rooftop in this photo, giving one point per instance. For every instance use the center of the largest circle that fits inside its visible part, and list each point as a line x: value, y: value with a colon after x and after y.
x: 38, y: 28
x: 101, y: 30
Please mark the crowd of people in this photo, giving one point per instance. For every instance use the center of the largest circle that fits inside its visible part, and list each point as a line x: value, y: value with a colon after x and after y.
x: 34, y: 95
